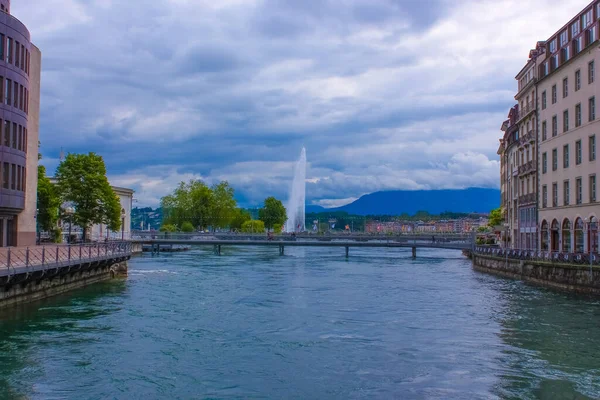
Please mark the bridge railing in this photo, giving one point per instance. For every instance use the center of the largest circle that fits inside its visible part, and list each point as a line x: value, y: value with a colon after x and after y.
x: 540, y: 255
x: 36, y: 258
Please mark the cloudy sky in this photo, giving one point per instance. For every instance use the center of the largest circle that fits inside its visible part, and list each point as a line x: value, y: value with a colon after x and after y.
x: 384, y: 94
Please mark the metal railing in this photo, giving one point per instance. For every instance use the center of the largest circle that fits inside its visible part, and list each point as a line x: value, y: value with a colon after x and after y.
x: 540, y: 255
x: 38, y: 258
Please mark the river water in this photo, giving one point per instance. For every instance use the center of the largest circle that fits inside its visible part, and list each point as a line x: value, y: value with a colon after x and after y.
x: 309, y: 325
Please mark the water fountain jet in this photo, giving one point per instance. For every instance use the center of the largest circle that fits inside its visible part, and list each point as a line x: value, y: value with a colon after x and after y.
x: 296, y: 202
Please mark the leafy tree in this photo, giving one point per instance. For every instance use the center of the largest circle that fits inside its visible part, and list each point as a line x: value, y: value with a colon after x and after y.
x: 273, y: 212
x: 187, y: 227
x: 277, y: 228
x: 239, y: 218
x: 81, y: 180
x: 48, y: 202
x: 168, y: 228
x: 496, y: 217
x: 224, y: 206
x: 253, y: 226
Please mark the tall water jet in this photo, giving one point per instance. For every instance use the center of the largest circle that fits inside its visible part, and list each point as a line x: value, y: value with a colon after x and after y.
x: 296, y: 201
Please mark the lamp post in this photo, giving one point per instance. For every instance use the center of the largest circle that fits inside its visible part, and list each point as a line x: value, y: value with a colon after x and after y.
x: 69, y: 211
x: 122, y: 224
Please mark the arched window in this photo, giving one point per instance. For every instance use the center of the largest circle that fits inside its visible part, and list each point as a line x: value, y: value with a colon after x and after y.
x: 566, y: 236
x: 579, y: 235
x: 593, y: 234
x: 544, y: 231
x: 554, y: 236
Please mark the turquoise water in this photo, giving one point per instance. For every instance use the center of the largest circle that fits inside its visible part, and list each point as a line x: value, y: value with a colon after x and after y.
x: 309, y: 325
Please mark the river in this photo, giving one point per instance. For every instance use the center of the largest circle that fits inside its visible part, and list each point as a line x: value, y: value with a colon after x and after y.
x: 309, y: 325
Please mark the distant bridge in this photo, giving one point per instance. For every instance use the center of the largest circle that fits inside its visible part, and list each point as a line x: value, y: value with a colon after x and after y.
x: 453, y: 242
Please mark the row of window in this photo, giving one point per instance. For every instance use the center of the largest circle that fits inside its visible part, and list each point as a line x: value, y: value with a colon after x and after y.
x: 566, y: 155
x: 14, y: 53
x: 565, y: 120
x: 565, y: 85
x: 13, y: 135
x: 13, y: 177
x: 14, y: 94
x: 567, y: 192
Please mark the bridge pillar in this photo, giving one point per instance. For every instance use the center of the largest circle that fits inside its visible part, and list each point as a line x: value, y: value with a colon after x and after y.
x: 414, y: 252
x: 347, y: 251
x: 281, y: 250
x: 217, y: 249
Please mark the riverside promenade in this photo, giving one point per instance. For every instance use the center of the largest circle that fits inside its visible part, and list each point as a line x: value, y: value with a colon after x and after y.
x: 31, y: 273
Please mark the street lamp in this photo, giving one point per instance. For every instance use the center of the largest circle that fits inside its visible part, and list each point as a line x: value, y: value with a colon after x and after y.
x: 69, y: 211
x: 122, y: 224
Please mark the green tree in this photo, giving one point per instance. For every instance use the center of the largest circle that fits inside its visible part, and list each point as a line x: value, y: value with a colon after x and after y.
x: 496, y: 217
x: 81, y: 180
x: 239, y: 218
x: 273, y: 212
x: 48, y: 203
x: 168, y: 228
x: 224, y: 206
x: 192, y: 201
x: 253, y: 226
x: 277, y: 228
x: 187, y: 227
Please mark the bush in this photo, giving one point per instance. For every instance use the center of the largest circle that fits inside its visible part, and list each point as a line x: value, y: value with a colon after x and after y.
x: 168, y: 228
x: 277, y: 228
x: 253, y: 226
x: 56, y: 235
x: 187, y: 227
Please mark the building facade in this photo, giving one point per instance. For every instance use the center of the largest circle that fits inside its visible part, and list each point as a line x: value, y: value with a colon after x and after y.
x: 20, y: 66
x: 548, y: 151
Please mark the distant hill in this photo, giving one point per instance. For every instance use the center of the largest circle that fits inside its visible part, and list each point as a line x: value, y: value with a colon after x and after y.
x: 472, y: 200
x: 311, y: 208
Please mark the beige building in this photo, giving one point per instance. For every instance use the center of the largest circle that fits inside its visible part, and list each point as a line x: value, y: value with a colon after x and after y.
x: 568, y: 131
x: 509, y: 159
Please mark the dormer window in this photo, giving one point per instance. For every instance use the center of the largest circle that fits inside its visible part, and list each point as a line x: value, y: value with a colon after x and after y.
x: 564, y: 37
x: 553, y: 46
x: 575, y: 29
x: 586, y: 19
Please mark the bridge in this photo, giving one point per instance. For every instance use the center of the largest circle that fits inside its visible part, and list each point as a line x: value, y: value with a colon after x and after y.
x: 218, y: 240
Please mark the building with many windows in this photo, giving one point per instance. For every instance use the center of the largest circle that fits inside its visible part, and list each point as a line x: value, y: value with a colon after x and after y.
x: 556, y: 140
x: 568, y: 87
x: 20, y: 66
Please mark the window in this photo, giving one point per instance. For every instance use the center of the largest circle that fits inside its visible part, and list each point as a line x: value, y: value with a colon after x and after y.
x: 17, y: 55
x: 544, y: 100
x: 591, y: 72
x: 555, y: 195
x: 565, y: 87
x: 566, y: 53
x: 1, y: 46
x: 9, y: 50
x: 14, y: 135
x: 592, y: 188
x: 591, y: 35
x: 553, y: 94
x: 554, y: 159
x: 592, y: 106
x: 5, y: 176
x: 578, y: 191
x: 544, y: 131
x: 7, y: 92
x: 565, y: 120
x: 575, y: 29
x: 20, y: 138
x: 23, y: 57
x: 16, y: 94
x: 566, y: 156
x: 545, y: 67
x: 544, y: 196
x: 554, y: 126
x: 7, y: 133
x: 21, y: 98
x: 578, y: 44
x: 577, y: 80
x: 592, y: 143
x: 564, y: 37
x: 578, y: 115
x: 566, y: 193
x: 553, y: 46
x: 578, y: 152
x: 587, y: 19
x: 13, y: 176
x: 544, y: 163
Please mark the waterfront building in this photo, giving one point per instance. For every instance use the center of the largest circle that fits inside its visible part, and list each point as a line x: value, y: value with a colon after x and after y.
x: 20, y: 67
x: 567, y: 95
x: 509, y: 156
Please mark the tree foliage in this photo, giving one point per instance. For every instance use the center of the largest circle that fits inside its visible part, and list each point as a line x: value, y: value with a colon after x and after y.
x: 187, y: 227
x: 253, y: 226
x: 273, y: 212
x: 48, y: 202
x: 496, y: 217
x: 240, y: 217
x: 168, y: 228
x: 200, y: 205
x: 81, y: 181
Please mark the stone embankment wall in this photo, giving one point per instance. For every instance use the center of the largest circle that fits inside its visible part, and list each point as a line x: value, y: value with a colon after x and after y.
x: 576, y: 278
x: 35, y: 289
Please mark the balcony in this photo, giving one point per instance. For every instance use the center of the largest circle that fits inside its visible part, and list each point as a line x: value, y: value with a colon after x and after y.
x: 528, y: 138
x: 527, y: 168
x: 527, y: 199
x: 527, y: 109
x: 525, y: 87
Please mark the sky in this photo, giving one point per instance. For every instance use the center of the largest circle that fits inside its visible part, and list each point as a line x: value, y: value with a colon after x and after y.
x: 384, y: 94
